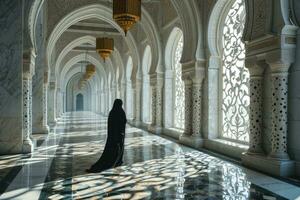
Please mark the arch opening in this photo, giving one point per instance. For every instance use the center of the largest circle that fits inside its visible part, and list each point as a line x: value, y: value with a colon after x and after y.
x: 79, y: 102
x: 174, y: 87
x: 235, y: 97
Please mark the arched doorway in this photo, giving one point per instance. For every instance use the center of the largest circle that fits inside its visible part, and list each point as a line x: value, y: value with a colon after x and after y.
x: 79, y: 102
x: 174, y: 86
x: 146, y: 100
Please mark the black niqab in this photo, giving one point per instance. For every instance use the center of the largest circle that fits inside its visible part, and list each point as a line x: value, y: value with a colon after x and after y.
x: 113, y: 152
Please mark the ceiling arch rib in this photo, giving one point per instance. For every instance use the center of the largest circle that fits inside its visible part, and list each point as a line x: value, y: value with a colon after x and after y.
x: 153, y: 36
x: 63, y: 56
x: 117, y: 60
x: 77, y: 69
x: 81, y: 57
x: 147, y: 60
x: 192, y: 30
x: 215, y: 26
x: 92, y: 11
x: 171, y: 46
x: 70, y: 46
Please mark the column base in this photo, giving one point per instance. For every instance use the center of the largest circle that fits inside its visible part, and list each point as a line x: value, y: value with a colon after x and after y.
x: 27, y: 146
x: 258, y: 151
x: 155, y: 129
x: 268, y: 165
x: 191, y: 140
x: 138, y: 123
x: 173, y: 133
x: 279, y: 156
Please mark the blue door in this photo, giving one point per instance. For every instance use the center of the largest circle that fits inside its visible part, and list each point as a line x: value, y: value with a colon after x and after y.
x: 79, y: 102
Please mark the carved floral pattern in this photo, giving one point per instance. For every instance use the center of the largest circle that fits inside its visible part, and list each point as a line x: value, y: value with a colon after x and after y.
x: 236, y: 100
x: 179, y: 106
x: 197, y: 102
x: 153, y: 103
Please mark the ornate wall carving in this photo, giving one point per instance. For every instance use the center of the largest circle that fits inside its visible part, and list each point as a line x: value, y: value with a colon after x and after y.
x: 158, y: 101
x: 26, y: 109
x: 179, y: 96
x: 258, y: 22
x: 153, y: 105
x: 197, y: 109
x: 256, y: 107
x: 279, y: 115
x: 235, y: 97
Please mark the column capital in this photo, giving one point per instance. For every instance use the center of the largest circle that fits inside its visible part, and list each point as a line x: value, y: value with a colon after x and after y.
x: 157, y: 80
x: 46, y: 77
x: 137, y: 83
x: 279, y: 67
x: 256, y: 68
x: 194, y: 64
x: 119, y: 86
x: 195, y: 69
x: 188, y: 82
x: 52, y: 85
x: 28, y: 63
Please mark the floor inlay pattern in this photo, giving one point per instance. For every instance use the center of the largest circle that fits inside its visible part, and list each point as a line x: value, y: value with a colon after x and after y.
x: 154, y: 168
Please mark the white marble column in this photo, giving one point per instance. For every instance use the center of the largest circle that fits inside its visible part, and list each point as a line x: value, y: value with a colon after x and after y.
x: 153, y: 103
x: 279, y: 110
x: 138, y: 93
x: 51, y: 104
x: 109, y: 96
x: 58, y: 102
x: 168, y: 99
x: 113, y: 93
x: 101, y: 102
x: 123, y: 95
x: 28, y: 72
x: 133, y: 91
x: 45, y: 109
x: 118, y: 91
x: 256, y: 108
x: 197, y: 108
x: 193, y: 76
x: 27, y: 128
x: 64, y: 97
x: 188, y: 126
x: 159, y: 102
x: 106, y: 95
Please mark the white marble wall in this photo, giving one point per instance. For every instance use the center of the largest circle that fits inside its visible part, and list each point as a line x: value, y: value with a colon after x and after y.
x: 11, y: 76
x: 51, y: 104
x: 38, y: 79
x: 294, y: 109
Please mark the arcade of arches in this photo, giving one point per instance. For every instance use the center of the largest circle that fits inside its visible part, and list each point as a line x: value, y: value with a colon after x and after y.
x: 206, y: 85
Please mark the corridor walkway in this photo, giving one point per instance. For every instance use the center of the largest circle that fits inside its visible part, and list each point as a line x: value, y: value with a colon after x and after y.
x: 154, y: 168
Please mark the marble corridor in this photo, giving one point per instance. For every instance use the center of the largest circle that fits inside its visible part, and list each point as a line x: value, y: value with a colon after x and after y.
x: 154, y: 168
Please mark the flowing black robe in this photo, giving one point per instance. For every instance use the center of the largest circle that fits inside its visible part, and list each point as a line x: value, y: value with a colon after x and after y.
x: 112, y: 155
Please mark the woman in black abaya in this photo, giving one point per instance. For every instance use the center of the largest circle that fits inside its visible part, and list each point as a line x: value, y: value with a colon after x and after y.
x: 113, y: 152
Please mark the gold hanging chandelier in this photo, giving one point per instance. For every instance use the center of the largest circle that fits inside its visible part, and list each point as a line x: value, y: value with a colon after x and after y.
x: 90, y: 70
x: 82, y: 82
x: 126, y: 13
x: 104, y: 47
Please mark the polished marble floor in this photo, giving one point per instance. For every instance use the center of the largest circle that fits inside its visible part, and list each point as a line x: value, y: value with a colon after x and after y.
x: 154, y: 168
